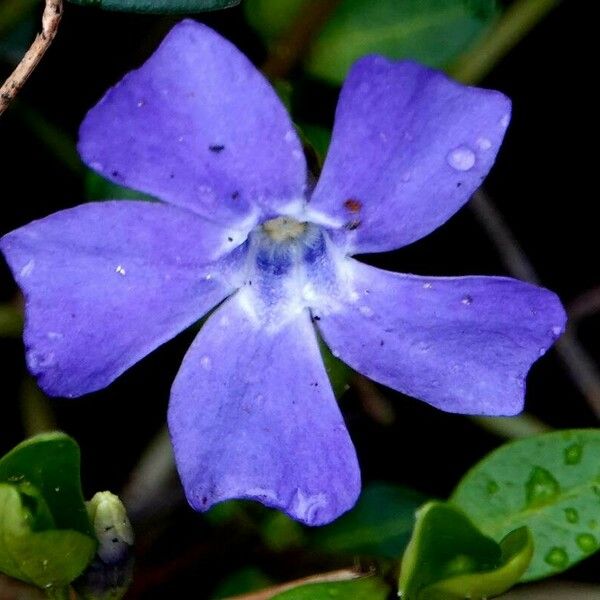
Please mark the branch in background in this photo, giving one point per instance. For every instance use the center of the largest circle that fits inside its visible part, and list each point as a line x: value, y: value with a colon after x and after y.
x: 585, y: 305
x: 294, y: 44
x: 11, y: 320
x: 518, y: 20
x: 331, y: 577
x: 153, y: 486
x: 50, y: 22
x: 579, y: 364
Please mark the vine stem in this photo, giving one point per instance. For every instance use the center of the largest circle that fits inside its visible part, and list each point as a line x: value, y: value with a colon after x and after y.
x: 331, y: 577
x: 50, y: 21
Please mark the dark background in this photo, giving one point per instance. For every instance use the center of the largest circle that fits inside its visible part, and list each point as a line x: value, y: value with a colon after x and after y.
x: 542, y: 183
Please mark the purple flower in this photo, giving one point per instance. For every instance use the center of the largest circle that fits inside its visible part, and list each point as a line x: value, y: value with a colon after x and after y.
x: 252, y: 414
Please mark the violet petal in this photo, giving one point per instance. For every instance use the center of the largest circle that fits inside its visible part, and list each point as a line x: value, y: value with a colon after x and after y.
x: 462, y: 344
x: 409, y: 148
x: 198, y: 126
x: 106, y: 283
x: 252, y: 416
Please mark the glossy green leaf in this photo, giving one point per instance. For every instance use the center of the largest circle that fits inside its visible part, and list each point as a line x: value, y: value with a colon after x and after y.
x: 551, y: 483
x: 379, y: 525
x: 448, y: 558
x: 50, y: 462
x: 433, y: 32
x: 159, y: 6
x: 51, y: 558
x: 364, y: 588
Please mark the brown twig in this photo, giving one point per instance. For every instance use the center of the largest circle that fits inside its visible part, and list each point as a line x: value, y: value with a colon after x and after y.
x: 331, y: 577
x: 579, y: 364
x: 287, y: 52
x: 50, y: 22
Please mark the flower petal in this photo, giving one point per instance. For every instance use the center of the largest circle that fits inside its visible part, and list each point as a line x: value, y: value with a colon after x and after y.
x: 252, y: 416
x: 462, y: 344
x: 105, y: 284
x: 198, y: 126
x: 409, y: 148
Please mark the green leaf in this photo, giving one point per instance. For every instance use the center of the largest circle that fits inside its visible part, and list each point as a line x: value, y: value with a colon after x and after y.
x: 433, y: 32
x: 448, y: 558
x: 551, y: 484
x: 50, y: 462
x: 364, y: 588
x: 159, y: 6
x: 379, y: 525
x: 98, y: 188
x: 51, y: 558
x: 46, y: 537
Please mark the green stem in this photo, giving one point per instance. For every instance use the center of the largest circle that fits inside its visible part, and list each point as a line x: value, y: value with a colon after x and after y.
x: 520, y: 18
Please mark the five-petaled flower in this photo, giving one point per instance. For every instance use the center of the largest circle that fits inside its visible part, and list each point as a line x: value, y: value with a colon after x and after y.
x: 252, y: 414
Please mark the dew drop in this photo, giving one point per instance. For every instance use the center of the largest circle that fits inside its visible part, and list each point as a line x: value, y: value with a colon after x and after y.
x: 28, y: 268
x: 461, y: 158
x: 557, y: 557
x: 573, y: 454
x: 290, y: 136
x: 120, y: 270
x: 206, y: 363
x: 366, y: 311
x: 335, y: 353
x: 541, y: 487
x: 586, y: 542
x: 140, y: 103
x: 571, y: 515
x: 557, y: 330
x: 492, y: 487
x: 427, y: 286
x: 483, y: 143
x: 467, y: 300
x: 505, y: 120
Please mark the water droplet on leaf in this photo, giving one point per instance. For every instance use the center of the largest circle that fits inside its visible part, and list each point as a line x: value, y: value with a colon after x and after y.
x: 573, y: 454
x: 557, y: 557
x: 461, y: 158
x: 541, y: 487
x: 492, y: 487
x: 587, y: 542
x: 571, y: 515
